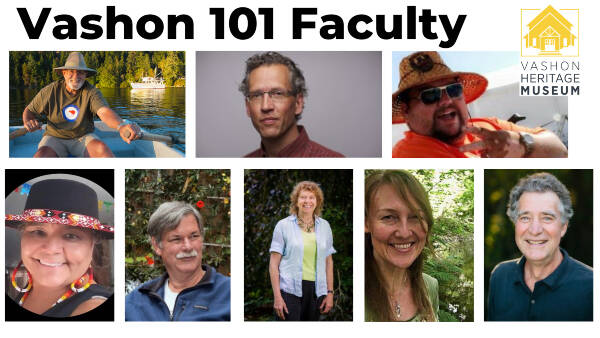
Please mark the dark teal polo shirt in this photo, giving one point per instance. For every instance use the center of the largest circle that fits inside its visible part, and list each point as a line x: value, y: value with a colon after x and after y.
x: 567, y: 294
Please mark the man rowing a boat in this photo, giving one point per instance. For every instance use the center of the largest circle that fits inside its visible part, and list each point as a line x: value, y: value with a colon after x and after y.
x: 432, y: 100
x: 70, y: 105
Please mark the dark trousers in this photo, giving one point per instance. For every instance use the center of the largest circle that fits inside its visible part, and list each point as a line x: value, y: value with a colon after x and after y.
x: 305, y: 308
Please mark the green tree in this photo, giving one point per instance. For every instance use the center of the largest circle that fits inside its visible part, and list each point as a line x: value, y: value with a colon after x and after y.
x: 451, y: 196
x: 172, y: 68
x: 30, y: 71
x: 108, y: 76
x: 115, y: 68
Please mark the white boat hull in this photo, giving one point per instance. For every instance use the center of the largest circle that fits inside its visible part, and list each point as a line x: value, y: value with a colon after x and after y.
x: 139, y: 85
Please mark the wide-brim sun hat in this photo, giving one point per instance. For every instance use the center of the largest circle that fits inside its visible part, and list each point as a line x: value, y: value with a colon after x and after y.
x: 61, y: 201
x: 422, y: 67
x: 75, y: 61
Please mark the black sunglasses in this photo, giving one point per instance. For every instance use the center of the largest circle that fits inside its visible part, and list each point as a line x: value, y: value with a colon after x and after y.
x: 433, y: 95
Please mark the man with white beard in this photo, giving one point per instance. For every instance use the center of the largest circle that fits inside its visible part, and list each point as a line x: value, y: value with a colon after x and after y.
x: 70, y: 105
x: 189, y: 290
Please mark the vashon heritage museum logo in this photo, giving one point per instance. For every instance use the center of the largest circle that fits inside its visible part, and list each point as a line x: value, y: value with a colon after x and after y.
x: 550, y: 32
x: 549, y: 52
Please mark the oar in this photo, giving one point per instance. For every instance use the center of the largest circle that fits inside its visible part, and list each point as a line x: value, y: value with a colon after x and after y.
x: 20, y: 132
x: 171, y: 139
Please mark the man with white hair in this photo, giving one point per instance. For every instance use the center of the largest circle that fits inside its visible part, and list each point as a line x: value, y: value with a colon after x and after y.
x: 70, y: 105
x: 189, y: 290
x: 546, y: 284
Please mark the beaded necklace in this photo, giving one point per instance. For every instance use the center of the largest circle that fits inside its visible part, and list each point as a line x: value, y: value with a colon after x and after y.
x: 76, y: 287
x: 306, y: 226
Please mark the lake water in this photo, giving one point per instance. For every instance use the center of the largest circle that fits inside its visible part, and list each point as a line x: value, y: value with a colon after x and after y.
x: 159, y: 111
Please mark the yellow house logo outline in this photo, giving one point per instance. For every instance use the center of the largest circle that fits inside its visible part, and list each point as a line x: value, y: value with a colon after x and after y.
x: 549, y: 32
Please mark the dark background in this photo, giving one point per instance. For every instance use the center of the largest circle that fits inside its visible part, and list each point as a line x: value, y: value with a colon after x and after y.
x: 266, y: 201
x: 15, y: 178
x: 499, y: 229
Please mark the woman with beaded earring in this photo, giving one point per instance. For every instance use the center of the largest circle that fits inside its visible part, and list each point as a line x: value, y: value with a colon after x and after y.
x: 301, y: 263
x: 59, y: 229
x: 398, y: 223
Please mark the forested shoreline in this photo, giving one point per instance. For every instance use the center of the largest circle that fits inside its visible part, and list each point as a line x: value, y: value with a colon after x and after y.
x: 116, y: 69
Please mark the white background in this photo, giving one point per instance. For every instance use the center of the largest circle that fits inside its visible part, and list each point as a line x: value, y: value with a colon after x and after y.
x: 490, y: 25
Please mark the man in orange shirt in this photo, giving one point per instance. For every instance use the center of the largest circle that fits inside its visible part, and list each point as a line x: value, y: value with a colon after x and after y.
x: 432, y: 100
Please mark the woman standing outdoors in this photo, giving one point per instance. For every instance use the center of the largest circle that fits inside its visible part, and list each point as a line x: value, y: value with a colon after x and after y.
x: 59, y: 230
x: 398, y: 223
x: 301, y: 265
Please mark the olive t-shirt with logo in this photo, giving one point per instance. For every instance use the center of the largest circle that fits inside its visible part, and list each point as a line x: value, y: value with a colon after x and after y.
x: 69, y: 116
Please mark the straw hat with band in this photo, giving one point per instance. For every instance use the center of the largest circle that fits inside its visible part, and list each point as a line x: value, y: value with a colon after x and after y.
x: 423, y: 67
x: 61, y: 201
x: 76, y: 61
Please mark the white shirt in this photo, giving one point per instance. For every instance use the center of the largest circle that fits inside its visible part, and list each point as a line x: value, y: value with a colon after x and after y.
x: 170, y: 297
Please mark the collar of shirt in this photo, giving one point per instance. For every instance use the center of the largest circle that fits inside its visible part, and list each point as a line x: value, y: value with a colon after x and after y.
x: 156, y: 285
x: 317, y: 220
x: 553, y: 280
x: 293, y: 148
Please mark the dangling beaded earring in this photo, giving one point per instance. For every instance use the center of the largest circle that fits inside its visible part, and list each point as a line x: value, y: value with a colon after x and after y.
x: 78, y: 286
x: 13, y: 279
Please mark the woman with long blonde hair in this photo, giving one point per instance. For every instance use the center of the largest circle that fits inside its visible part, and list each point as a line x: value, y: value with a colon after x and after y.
x: 398, y: 223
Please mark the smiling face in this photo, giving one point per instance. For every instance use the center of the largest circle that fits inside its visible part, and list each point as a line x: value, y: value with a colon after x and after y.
x: 74, y: 79
x: 307, y: 202
x: 56, y: 254
x: 397, y: 233
x: 444, y: 120
x: 273, y: 119
x: 538, y: 228
x: 181, y: 248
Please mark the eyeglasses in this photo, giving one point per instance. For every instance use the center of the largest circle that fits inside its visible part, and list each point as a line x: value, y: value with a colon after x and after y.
x: 433, y: 95
x: 277, y: 95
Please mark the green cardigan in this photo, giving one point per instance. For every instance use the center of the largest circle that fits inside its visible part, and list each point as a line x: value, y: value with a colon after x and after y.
x: 431, y: 284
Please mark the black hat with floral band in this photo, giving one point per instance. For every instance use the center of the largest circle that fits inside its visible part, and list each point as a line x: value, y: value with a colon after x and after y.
x: 61, y: 201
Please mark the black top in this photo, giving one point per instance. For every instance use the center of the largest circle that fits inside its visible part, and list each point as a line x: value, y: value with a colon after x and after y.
x: 565, y: 295
x: 66, y: 308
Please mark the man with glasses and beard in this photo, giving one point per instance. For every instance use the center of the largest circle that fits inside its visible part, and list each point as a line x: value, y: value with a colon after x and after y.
x: 70, y: 105
x: 189, y: 290
x: 275, y: 89
x: 432, y: 100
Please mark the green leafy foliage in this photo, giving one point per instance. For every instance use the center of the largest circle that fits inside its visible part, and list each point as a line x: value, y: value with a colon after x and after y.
x: 266, y: 201
x: 451, y: 262
x: 146, y: 189
x: 116, y: 69
x: 451, y: 197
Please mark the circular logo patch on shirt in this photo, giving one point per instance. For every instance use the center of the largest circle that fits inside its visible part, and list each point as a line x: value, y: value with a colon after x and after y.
x: 70, y: 112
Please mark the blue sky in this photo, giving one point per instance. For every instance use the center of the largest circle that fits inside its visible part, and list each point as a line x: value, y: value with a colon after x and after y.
x: 476, y: 62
